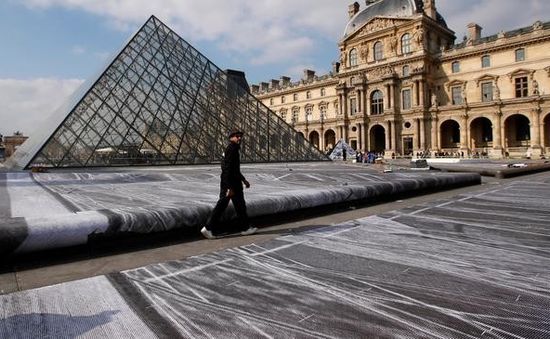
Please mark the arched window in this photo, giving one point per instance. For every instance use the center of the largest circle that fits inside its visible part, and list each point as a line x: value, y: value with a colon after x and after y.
x: 378, y: 51
x: 377, y: 103
x: 295, y: 97
x: 308, y: 95
x: 323, y: 92
x: 406, y: 43
x: 353, y: 57
x: 271, y: 101
x: 283, y: 99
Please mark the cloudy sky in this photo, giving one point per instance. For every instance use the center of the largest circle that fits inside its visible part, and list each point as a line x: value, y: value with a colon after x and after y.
x: 49, y: 47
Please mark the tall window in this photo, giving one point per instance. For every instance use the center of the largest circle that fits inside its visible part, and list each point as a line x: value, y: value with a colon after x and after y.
x: 309, y: 113
x: 295, y: 114
x: 308, y: 95
x: 283, y: 114
x: 485, y: 61
x: 353, y: 57
x: 271, y: 102
x: 295, y: 97
x: 352, y: 106
x: 323, y: 110
x: 455, y: 67
x: 456, y: 94
x: 323, y: 92
x: 520, y: 54
x: 406, y: 98
x: 487, y: 91
x: 522, y: 88
x: 406, y: 43
x: 378, y: 51
x: 377, y: 103
x: 283, y: 99
x: 352, y: 81
x: 406, y: 71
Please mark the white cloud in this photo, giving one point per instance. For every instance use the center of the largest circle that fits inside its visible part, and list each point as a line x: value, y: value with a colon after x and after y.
x: 78, y: 50
x: 26, y: 103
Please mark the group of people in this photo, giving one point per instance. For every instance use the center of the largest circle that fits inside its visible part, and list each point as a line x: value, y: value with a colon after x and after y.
x: 367, y: 157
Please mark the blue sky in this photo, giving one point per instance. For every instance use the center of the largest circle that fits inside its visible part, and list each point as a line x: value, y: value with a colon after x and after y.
x: 49, y: 47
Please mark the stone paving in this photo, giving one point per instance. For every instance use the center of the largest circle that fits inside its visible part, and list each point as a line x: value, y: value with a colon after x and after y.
x: 474, y: 266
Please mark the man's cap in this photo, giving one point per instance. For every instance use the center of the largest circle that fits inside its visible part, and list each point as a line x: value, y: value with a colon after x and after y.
x: 234, y: 133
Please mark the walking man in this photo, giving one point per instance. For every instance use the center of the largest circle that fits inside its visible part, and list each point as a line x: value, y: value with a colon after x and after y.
x: 231, y: 188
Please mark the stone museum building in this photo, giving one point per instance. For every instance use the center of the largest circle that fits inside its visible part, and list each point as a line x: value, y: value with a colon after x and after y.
x: 404, y: 85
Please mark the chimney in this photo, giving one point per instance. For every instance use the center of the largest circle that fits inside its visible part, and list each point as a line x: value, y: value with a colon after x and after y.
x: 474, y: 32
x: 264, y: 86
x: 274, y: 84
x: 353, y: 9
x: 429, y: 9
x: 255, y: 89
x: 285, y: 80
x: 308, y: 75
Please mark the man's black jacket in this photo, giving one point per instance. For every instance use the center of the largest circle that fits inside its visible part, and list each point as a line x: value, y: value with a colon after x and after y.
x: 231, y: 168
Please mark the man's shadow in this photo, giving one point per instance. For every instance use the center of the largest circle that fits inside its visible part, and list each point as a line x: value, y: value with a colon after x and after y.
x: 45, y: 325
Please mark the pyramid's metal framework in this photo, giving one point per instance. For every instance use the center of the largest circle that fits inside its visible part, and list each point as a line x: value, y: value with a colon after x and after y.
x: 161, y: 102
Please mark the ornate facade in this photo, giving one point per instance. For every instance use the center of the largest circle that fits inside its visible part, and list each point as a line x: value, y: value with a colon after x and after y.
x: 404, y: 86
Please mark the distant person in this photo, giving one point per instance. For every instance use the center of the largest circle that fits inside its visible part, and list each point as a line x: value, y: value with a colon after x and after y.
x: 231, y: 188
x: 344, y: 154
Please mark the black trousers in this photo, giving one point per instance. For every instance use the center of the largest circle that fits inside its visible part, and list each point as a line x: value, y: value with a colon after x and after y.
x: 240, y: 208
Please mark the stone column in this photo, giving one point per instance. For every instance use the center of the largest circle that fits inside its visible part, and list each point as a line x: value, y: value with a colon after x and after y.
x: 464, y: 132
x: 416, y: 135
x: 497, y: 136
x: 366, y: 137
x: 421, y: 91
x: 387, y: 95
x: 392, y: 96
x: 340, y: 104
x: 359, y: 103
x: 364, y: 101
x: 388, y: 136
x: 359, y: 137
x: 535, y: 129
x: 435, y: 134
x: 422, y: 134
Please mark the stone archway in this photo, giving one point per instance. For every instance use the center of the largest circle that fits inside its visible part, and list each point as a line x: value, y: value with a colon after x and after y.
x: 450, y: 134
x: 314, y: 138
x: 300, y: 134
x: 481, y: 131
x: 330, y: 139
x: 377, y: 137
x: 517, y: 131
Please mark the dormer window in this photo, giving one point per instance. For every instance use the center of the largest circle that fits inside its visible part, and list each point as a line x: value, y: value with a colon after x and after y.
x: 455, y: 66
x: 485, y: 61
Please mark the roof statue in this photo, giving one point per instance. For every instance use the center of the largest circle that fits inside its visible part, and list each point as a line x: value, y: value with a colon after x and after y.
x: 161, y: 102
x: 338, y: 151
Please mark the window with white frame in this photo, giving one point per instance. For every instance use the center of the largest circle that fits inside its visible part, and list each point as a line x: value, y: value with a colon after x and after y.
x: 352, y: 106
x: 406, y: 43
x: 353, y: 57
x: 520, y: 54
x: 486, y: 91
x: 378, y: 51
x: 406, y: 71
x: 377, y: 103
x: 455, y: 67
x: 456, y: 95
x: 485, y: 61
x: 406, y: 98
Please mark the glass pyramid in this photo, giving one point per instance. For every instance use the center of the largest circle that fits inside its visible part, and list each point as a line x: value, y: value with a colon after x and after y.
x: 161, y: 102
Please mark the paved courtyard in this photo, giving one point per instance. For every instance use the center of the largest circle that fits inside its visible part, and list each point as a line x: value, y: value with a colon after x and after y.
x: 472, y: 266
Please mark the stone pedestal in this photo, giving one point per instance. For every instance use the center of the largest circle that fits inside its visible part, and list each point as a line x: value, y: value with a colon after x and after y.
x: 496, y: 153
